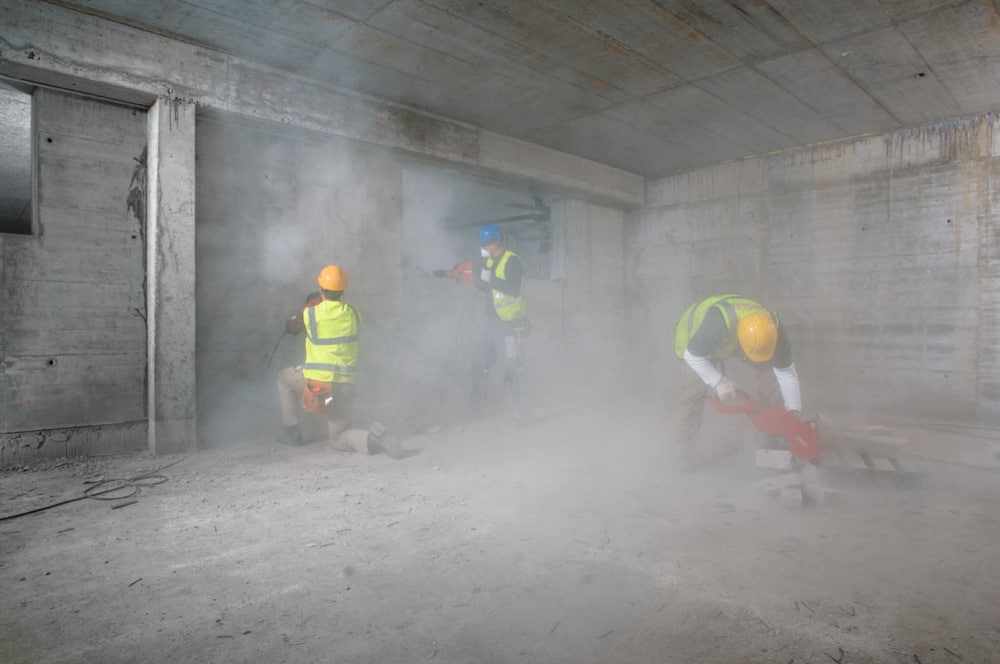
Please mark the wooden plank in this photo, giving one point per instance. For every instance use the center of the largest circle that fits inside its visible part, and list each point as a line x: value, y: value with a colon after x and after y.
x: 876, y: 444
x: 850, y: 460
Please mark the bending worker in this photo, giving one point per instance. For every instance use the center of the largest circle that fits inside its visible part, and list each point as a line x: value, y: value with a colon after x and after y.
x: 712, y: 330
x: 326, y: 383
x: 501, y: 274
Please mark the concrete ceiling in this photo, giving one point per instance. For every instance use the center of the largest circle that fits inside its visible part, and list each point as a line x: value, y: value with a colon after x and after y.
x: 649, y: 86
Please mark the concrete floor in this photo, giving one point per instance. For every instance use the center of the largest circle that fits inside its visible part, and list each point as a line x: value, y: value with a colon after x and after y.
x: 571, y: 540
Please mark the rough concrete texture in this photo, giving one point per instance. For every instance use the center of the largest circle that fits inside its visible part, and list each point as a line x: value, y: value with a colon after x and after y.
x: 572, y: 540
x: 170, y: 276
x: 52, y: 45
x: 73, y: 304
x: 273, y: 207
x: 879, y: 255
x: 647, y: 87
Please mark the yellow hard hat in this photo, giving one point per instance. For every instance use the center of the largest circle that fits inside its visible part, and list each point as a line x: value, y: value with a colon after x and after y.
x: 758, y: 336
x: 332, y: 278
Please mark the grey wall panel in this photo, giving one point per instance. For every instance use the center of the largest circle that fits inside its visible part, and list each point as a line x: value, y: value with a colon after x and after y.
x: 73, y: 303
x: 879, y: 255
x: 79, y: 390
x: 988, y: 332
x: 576, y: 353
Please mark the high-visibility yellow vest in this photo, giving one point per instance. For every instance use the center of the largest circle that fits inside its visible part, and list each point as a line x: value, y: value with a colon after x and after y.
x: 332, y: 342
x: 508, y: 307
x: 733, y: 308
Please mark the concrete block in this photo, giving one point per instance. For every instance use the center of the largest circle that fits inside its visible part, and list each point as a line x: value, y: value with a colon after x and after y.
x: 819, y: 494
x: 772, y: 486
x: 790, y: 497
x: 776, y: 459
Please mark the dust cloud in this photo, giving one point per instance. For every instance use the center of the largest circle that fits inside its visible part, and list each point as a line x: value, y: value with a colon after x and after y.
x: 442, y: 215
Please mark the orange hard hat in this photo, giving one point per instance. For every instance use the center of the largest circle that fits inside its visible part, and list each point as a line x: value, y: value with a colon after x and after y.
x: 758, y: 336
x: 332, y: 278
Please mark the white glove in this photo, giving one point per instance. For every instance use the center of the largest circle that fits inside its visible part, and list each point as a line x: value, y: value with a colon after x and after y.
x: 725, y: 389
x: 484, y: 275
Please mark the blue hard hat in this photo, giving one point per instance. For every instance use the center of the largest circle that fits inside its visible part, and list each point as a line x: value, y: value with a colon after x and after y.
x: 488, y: 233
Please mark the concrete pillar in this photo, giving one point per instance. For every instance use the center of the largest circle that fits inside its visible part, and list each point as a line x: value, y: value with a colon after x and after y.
x: 170, y: 265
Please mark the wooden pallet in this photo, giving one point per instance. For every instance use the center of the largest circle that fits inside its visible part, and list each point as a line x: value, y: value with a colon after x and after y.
x: 869, y: 451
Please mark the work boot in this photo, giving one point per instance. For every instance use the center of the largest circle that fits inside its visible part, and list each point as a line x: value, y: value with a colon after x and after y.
x: 291, y: 436
x: 379, y: 440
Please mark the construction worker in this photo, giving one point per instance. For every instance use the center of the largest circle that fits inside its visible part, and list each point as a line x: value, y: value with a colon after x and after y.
x: 326, y: 383
x: 500, y: 273
x: 712, y: 330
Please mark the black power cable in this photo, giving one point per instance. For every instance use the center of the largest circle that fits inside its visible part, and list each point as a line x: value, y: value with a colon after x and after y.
x: 273, y: 350
x: 132, y: 487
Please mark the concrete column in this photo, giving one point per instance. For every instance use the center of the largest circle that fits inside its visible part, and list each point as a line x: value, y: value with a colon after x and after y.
x: 170, y: 265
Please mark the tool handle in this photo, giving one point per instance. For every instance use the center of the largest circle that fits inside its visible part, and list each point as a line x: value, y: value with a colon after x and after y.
x: 745, y: 404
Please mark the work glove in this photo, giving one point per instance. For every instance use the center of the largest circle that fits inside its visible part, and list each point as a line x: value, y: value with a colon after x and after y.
x: 440, y: 273
x: 484, y: 274
x: 725, y: 389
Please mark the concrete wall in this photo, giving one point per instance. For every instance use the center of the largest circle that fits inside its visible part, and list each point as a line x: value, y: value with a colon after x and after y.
x: 72, y: 304
x: 879, y: 255
x: 348, y: 197
x: 589, y: 325
x: 273, y: 206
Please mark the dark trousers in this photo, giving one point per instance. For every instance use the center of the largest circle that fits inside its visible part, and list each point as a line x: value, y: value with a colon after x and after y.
x: 692, y: 396
x: 500, y: 339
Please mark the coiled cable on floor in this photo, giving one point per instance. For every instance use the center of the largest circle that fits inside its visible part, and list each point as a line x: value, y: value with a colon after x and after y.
x: 119, y: 488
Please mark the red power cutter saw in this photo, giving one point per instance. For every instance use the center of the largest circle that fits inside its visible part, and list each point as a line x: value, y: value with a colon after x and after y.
x: 802, y: 438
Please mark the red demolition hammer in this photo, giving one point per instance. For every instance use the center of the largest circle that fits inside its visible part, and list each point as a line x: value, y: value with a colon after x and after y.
x: 461, y: 273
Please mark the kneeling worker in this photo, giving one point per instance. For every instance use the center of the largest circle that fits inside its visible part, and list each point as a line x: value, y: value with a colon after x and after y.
x: 712, y: 330
x: 326, y: 383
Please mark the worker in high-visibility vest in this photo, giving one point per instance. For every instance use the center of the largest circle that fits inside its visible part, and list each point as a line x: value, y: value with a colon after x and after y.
x: 326, y: 383
x: 500, y: 273
x: 711, y: 331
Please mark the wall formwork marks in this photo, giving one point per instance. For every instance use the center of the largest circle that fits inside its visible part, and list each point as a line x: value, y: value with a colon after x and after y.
x: 879, y: 254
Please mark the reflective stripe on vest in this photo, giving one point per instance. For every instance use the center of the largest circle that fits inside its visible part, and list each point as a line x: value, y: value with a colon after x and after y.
x: 508, y: 307
x: 733, y: 308
x: 332, y: 342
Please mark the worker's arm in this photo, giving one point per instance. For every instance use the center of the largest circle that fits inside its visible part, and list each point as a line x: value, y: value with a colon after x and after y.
x: 708, y: 338
x: 296, y: 324
x: 784, y: 371
x: 704, y: 368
